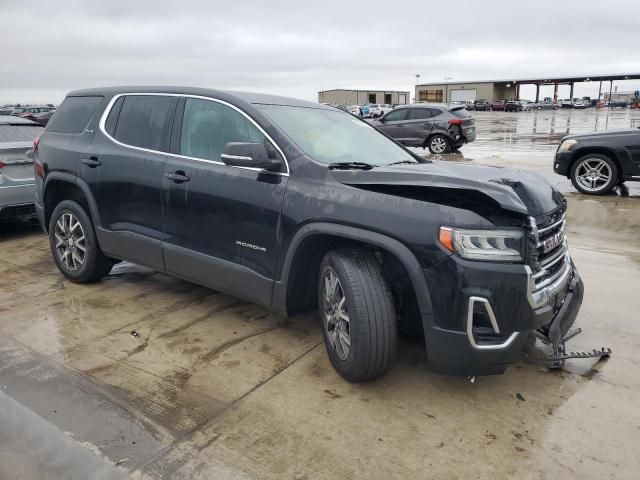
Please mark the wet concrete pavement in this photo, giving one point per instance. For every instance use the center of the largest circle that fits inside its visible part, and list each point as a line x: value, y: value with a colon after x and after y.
x: 165, y: 379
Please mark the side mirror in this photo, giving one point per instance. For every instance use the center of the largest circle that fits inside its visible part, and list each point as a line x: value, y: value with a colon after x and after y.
x: 253, y: 155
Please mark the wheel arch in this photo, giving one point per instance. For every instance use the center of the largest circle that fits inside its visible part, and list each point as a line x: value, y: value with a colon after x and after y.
x: 61, y: 186
x: 294, y: 289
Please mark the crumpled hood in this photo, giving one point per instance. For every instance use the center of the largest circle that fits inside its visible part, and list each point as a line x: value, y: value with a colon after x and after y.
x: 516, y: 190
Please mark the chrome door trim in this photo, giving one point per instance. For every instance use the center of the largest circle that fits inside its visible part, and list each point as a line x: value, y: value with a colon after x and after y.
x: 105, y: 114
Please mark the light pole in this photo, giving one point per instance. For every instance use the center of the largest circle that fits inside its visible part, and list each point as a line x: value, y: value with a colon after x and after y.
x: 415, y: 98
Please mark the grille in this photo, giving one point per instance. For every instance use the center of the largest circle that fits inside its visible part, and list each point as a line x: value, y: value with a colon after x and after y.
x: 551, y: 249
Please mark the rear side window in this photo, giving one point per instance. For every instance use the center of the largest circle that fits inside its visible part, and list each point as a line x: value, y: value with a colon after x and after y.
x: 419, y: 113
x: 208, y: 126
x: 461, y: 112
x: 145, y: 121
x: 74, y: 114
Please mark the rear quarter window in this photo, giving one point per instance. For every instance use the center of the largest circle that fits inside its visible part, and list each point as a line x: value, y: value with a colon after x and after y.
x: 74, y: 114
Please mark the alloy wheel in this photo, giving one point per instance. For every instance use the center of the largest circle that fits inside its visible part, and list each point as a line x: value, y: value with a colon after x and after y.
x: 439, y: 145
x: 336, y: 316
x: 593, y: 174
x: 70, y: 242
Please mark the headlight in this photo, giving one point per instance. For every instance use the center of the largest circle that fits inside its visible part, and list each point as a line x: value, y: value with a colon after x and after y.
x: 488, y: 245
x: 567, y: 145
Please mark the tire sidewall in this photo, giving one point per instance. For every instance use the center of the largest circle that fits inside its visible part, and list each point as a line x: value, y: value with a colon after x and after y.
x: 614, y: 174
x: 84, y: 273
x: 347, y: 365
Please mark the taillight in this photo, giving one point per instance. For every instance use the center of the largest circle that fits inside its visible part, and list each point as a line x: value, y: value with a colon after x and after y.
x: 456, y: 121
x: 2, y: 164
x: 36, y: 142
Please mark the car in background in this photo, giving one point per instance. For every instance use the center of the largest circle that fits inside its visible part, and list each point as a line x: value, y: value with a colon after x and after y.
x: 17, y: 183
x: 566, y: 103
x: 599, y: 161
x: 482, y: 104
x: 498, y: 105
x: 512, y: 106
x: 379, y: 109
x: 440, y: 128
x: 525, y: 105
x: 545, y: 105
x: 355, y: 110
x: 41, y: 118
x: 578, y: 103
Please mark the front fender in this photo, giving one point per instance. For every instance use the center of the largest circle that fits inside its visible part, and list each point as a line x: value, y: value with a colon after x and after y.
x: 393, y: 246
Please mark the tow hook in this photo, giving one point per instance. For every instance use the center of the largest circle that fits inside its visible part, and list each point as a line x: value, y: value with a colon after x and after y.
x: 557, y: 359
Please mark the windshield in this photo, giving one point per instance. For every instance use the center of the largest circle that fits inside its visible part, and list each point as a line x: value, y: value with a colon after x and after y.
x: 333, y: 136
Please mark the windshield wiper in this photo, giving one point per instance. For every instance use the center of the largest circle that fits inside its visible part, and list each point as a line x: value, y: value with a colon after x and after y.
x: 350, y: 165
x: 402, y: 162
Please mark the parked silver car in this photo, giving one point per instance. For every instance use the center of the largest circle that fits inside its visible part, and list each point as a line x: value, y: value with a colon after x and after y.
x: 17, y: 183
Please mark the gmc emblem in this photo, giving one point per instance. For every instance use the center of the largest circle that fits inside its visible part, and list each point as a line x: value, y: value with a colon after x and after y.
x: 553, y: 242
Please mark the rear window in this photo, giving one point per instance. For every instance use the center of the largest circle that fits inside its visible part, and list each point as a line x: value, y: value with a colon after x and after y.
x: 74, y: 114
x: 145, y: 121
x: 461, y: 112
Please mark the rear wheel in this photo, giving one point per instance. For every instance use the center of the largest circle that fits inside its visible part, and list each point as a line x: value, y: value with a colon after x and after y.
x: 74, y: 245
x: 358, y: 315
x: 439, y: 144
x: 594, y: 174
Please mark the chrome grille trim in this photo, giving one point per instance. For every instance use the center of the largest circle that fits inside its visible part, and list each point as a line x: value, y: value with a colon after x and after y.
x: 552, y: 226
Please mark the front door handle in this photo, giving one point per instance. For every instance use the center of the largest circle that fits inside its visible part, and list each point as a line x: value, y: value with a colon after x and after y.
x: 178, y: 176
x: 92, y: 162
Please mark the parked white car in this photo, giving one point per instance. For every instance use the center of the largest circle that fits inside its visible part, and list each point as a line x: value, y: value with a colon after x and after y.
x: 355, y: 110
x: 379, y: 109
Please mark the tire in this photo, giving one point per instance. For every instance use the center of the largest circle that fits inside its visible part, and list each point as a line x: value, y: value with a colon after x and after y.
x: 362, y: 295
x: 439, y: 144
x: 70, y: 231
x: 584, y: 170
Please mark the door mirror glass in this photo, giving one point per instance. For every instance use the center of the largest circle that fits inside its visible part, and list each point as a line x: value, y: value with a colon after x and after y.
x: 253, y: 155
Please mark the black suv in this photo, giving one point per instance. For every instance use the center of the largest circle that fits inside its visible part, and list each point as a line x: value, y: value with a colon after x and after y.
x: 597, y: 162
x: 300, y: 206
x: 440, y: 128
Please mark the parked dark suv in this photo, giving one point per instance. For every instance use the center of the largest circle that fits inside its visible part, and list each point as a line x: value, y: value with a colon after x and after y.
x: 437, y: 127
x: 597, y: 162
x: 300, y: 206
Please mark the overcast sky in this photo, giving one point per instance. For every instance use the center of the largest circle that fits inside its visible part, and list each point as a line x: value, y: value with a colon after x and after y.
x: 298, y: 47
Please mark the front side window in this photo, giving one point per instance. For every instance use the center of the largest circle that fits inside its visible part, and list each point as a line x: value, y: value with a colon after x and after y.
x: 145, y: 121
x: 395, y: 115
x: 208, y: 126
x: 332, y: 136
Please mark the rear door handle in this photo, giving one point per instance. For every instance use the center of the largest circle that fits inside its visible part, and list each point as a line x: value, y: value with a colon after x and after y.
x: 92, y: 162
x: 177, y: 176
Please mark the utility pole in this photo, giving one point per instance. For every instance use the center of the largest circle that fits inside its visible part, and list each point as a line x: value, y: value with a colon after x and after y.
x: 415, y: 93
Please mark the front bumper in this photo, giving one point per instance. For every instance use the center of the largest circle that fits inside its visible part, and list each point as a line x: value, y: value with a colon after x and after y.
x: 504, y: 296
x: 562, y: 163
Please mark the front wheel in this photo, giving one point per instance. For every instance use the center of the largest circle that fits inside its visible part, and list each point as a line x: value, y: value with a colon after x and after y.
x: 439, y: 144
x: 74, y: 245
x: 358, y: 315
x: 594, y: 174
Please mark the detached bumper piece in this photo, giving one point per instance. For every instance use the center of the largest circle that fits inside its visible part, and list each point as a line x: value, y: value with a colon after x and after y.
x: 557, y: 359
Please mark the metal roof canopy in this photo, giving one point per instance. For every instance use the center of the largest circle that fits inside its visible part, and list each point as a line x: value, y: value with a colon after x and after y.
x: 549, y: 80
